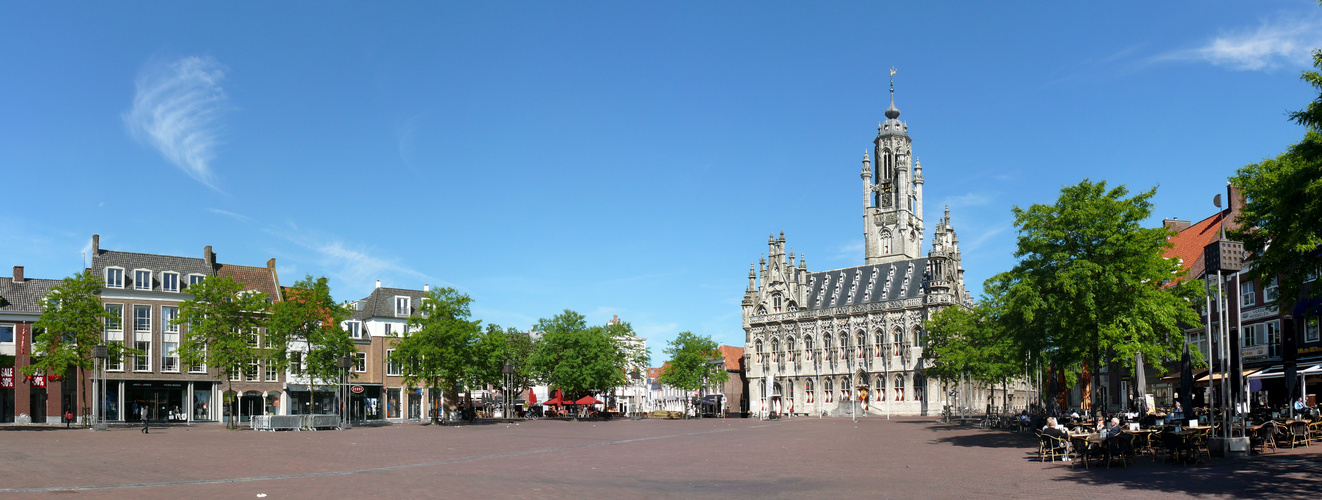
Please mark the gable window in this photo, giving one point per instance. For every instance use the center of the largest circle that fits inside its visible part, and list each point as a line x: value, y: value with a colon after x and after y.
x: 114, y: 316
x: 360, y: 362
x: 401, y: 307
x: 775, y: 301
x: 114, y: 277
x: 141, y: 279
x: 1246, y: 296
x: 142, y: 318
x: 170, y: 282
x: 392, y: 366
x: 355, y: 329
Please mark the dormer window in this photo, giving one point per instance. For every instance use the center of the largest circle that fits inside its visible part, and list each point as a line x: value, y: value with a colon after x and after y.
x: 194, y: 279
x: 141, y: 279
x: 401, y: 307
x: 170, y: 282
x: 114, y: 277
x: 355, y: 329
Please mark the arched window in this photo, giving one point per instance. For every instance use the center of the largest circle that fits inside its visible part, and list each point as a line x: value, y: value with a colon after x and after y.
x: 790, y: 347
x: 880, y: 348
x: 826, y: 387
x: 919, y: 387
x: 826, y: 346
x: 807, y: 346
x: 899, y: 387
x: 775, y: 302
x: 844, y: 346
x: 807, y: 384
x: 915, y: 337
x: 862, y: 341
x: 757, y: 346
x: 880, y: 389
x: 775, y: 349
x: 844, y: 389
x: 897, y: 338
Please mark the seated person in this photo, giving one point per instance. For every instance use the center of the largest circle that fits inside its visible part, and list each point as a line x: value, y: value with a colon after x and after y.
x: 1177, y: 413
x: 1054, y: 430
x: 1113, y: 429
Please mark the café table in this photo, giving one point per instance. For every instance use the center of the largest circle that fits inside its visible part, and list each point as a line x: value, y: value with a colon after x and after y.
x: 1085, y: 446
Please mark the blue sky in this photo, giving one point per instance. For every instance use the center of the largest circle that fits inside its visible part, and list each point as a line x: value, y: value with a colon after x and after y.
x: 603, y: 157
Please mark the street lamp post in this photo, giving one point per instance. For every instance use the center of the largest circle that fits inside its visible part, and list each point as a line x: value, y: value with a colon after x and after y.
x: 344, y: 363
x: 100, y: 353
x: 507, y: 397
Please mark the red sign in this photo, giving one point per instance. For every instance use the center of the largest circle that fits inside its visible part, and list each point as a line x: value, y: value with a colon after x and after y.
x: 7, y: 378
x: 357, y: 389
x: 38, y: 380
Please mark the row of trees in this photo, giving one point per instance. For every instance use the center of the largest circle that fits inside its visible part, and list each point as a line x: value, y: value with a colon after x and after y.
x: 1092, y: 286
x: 442, y: 348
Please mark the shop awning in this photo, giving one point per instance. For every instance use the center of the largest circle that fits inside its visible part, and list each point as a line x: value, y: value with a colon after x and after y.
x: 1218, y: 376
x: 1278, y: 371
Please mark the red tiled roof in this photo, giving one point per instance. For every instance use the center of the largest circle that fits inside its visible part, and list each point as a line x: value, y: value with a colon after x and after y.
x: 252, y: 278
x: 1189, y: 243
x: 733, y: 356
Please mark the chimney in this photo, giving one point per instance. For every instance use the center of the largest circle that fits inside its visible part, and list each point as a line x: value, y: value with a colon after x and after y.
x: 1175, y: 224
x: 1235, y: 202
x: 18, y: 274
x: 426, y: 287
x: 378, y: 283
x: 96, y: 244
x: 209, y: 257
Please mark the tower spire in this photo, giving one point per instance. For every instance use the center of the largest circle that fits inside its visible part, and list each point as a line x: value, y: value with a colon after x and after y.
x: 892, y: 112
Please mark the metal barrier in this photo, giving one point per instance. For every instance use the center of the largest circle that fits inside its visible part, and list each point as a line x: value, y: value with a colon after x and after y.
x: 322, y: 421
x: 293, y: 422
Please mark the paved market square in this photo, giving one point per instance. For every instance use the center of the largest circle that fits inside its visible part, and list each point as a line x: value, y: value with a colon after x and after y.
x: 714, y: 458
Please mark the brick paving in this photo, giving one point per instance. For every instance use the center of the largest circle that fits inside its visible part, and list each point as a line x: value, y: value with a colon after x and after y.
x: 798, y: 458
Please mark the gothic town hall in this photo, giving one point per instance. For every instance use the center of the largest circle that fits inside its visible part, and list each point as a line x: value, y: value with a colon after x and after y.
x: 850, y: 340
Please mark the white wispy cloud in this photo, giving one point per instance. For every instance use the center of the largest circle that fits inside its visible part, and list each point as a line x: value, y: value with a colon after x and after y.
x: 354, y: 265
x: 983, y: 238
x: 176, y: 110
x: 1283, y: 41
x: 232, y: 215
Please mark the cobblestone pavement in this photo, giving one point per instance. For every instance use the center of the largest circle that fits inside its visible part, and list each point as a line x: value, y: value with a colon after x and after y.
x: 796, y: 458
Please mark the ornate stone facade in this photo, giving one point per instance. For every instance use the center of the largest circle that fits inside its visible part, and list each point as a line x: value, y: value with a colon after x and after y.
x: 850, y: 340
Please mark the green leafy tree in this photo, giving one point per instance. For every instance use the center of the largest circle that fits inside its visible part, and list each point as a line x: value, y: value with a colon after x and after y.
x: 577, y: 359
x: 971, y: 344
x: 1091, y: 285
x: 695, y: 362
x: 497, y: 346
x: 71, y: 322
x: 223, y: 320
x: 309, y: 317
x: 439, y: 350
x: 1281, y: 220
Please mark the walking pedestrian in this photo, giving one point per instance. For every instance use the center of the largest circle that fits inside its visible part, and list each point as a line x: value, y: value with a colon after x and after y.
x: 68, y: 418
x: 144, y: 420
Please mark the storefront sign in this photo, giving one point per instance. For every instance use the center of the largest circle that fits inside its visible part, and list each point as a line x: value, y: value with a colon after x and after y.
x: 1261, y: 312
x: 357, y: 389
x: 1254, y: 352
x: 7, y: 378
x: 38, y: 380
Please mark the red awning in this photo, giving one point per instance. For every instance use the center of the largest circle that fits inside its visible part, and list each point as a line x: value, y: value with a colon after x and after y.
x: 587, y: 400
x: 555, y: 402
x: 532, y: 397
